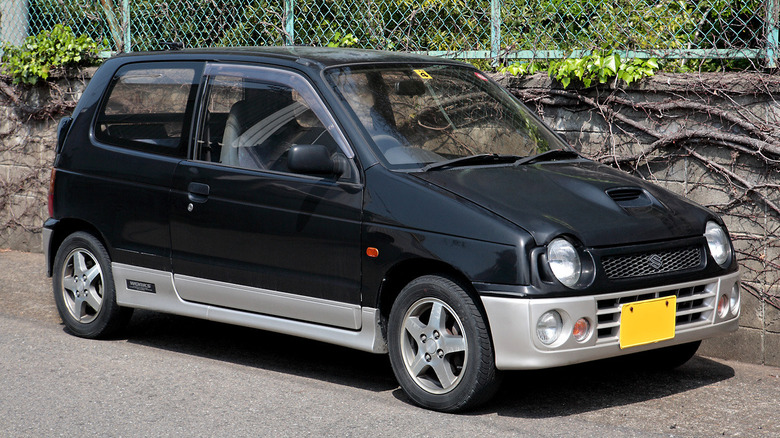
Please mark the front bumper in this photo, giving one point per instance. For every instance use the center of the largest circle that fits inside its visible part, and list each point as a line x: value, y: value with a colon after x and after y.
x: 513, y: 321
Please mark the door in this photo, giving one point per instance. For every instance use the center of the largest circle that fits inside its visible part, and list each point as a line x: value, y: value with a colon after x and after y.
x: 249, y: 234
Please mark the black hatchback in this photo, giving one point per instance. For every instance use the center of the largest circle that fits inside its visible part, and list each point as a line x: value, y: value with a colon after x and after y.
x: 387, y: 202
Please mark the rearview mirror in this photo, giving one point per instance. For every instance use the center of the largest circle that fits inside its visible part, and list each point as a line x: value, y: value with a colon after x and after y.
x: 410, y: 87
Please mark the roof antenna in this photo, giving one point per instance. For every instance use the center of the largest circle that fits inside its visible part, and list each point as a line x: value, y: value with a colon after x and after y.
x: 173, y: 45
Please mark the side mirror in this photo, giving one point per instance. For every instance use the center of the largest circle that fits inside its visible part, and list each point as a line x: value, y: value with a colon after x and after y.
x: 312, y: 159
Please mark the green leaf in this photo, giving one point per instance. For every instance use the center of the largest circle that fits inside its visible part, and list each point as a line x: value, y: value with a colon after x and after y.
x: 652, y: 63
x: 612, y: 63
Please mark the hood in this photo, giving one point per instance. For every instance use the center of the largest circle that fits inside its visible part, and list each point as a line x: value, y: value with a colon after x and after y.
x: 597, y: 204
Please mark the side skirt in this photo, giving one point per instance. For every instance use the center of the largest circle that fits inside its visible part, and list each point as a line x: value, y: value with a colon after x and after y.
x: 150, y: 289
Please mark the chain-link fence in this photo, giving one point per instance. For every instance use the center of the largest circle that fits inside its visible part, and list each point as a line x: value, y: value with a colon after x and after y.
x: 509, y: 29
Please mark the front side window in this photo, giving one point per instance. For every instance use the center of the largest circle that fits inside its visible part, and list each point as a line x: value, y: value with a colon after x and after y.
x: 418, y: 115
x: 148, y: 107
x: 252, y: 119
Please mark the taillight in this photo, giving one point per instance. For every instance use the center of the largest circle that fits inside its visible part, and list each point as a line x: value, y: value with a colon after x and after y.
x: 51, y: 192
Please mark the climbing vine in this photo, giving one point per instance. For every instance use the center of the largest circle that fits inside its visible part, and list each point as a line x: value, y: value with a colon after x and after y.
x: 714, y: 138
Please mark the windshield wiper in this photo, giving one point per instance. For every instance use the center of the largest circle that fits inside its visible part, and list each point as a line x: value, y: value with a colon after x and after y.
x: 472, y: 160
x: 555, y: 154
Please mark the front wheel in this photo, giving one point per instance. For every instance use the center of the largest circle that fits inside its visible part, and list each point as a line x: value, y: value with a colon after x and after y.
x: 440, y: 348
x: 84, y: 288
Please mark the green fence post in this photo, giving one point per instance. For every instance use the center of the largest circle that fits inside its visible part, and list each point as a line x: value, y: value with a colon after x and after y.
x: 772, y: 32
x: 495, y: 30
x: 289, y: 22
x: 126, y: 21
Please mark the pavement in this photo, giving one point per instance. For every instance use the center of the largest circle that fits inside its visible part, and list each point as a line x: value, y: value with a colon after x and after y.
x: 174, y: 376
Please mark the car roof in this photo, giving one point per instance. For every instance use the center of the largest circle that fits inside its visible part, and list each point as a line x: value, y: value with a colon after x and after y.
x: 320, y: 56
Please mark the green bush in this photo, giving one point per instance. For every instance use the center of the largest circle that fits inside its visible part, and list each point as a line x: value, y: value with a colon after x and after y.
x: 39, y: 54
x: 600, y: 67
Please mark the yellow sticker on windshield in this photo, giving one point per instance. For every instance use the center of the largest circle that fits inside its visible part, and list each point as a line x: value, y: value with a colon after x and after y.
x: 423, y: 74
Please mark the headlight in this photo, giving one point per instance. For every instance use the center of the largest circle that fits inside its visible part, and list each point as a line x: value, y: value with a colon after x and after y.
x: 564, y: 262
x: 718, y: 242
x: 548, y: 327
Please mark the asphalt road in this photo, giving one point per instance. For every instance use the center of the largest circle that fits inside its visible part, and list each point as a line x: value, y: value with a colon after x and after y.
x: 174, y: 376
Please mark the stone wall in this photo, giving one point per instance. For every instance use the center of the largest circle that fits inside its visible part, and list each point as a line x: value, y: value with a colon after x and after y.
x: 706, y: 138
x: 713, y: 138
x: 28, y: 125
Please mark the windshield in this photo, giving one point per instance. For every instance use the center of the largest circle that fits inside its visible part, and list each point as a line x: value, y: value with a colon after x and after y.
x: 419, y: 115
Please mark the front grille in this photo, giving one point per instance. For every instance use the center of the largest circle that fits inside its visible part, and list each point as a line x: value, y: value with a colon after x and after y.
x: 651, y: 263
x: 694, y: 304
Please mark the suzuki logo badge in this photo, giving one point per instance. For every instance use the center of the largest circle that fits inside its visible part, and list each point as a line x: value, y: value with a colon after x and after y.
x: 655, y: 261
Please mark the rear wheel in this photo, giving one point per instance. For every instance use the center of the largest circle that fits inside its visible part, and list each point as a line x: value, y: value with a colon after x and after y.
x: 84, y: 288
x: 439, y: 344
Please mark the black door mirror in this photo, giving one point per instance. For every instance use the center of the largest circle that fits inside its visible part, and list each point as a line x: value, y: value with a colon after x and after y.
x: 313, y: 159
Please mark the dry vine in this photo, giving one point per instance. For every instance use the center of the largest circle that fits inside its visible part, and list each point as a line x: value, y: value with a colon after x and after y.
x: 721, y: 130
x: 50, y: 100
x: 715, y: 138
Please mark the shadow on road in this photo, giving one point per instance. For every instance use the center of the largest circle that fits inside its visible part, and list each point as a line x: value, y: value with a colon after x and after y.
x: 525, y: 394
x: 261, y: 349
x: 598, y: 385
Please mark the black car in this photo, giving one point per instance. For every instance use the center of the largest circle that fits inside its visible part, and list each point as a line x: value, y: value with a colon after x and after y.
x: 387, y: 202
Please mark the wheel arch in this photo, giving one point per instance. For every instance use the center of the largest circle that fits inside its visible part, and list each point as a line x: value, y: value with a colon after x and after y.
x: 402, y: 273
x: 64, y: 228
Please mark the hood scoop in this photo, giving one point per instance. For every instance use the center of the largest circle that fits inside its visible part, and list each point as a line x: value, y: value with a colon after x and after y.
x: 630, y: 197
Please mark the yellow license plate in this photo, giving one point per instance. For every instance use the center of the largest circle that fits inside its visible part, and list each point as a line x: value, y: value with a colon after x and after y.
x: 647, y: 322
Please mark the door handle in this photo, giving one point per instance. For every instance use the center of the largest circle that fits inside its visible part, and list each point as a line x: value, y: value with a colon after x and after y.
x: 198, y: 192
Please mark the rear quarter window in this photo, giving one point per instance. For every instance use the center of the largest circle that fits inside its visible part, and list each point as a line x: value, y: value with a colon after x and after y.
x: 148, y: 107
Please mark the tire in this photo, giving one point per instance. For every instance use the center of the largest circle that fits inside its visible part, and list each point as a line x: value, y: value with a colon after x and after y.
x: 444, y: 363
x: 84, y: 288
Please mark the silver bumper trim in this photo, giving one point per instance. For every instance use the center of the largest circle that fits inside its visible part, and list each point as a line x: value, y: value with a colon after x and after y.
x: 165, y: 298
x: 46, y: 241
x: 268, y: 302
x: 46, y: 235
x: 512, y: 324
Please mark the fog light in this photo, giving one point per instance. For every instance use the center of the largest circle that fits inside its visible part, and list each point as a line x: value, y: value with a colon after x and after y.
x: 734, y: 302
x: 581, y: 330
x: 548, y: 328
x: 723, y: 305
